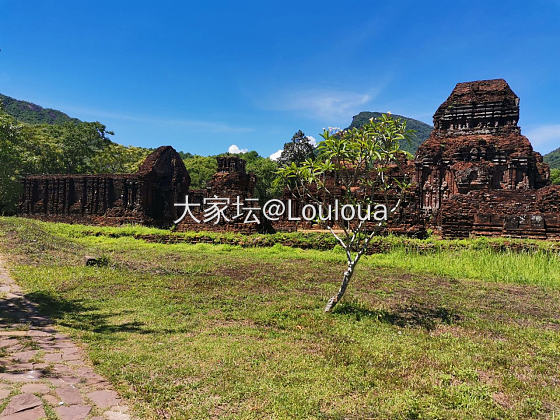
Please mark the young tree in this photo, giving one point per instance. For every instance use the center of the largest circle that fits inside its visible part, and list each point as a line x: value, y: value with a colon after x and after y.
x: 297, y: 150
x: 360, y: 168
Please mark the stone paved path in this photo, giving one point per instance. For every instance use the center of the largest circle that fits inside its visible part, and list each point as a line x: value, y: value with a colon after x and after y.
x: 43, y: 374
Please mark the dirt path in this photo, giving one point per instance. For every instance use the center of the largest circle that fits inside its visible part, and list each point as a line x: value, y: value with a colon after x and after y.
x: 42, y: 372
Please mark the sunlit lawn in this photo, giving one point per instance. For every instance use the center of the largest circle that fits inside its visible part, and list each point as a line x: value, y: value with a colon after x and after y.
x: 202, y: 331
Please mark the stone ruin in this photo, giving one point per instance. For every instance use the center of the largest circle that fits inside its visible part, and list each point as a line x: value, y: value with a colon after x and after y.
x: 475, y: 175
x: 145, y: 197
x: 230, y: 181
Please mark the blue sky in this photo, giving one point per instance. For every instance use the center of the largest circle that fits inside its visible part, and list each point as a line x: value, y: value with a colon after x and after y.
x: 202, y: 76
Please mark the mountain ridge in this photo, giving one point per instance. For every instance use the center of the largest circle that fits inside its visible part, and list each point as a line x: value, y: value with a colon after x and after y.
x: 31, y: 113
x: 422, y: 130
x: 553, y: 159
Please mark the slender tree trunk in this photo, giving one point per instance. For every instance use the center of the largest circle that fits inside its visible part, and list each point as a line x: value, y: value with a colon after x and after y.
x: 345, y: 280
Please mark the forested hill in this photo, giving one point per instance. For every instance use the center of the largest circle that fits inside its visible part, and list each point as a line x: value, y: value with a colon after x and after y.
x: 35, y: 141
x: 30, y: 113
x: 422, y: 130
x: 553, y: 159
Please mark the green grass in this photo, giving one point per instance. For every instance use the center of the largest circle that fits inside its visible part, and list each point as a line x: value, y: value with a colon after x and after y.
x: 183, y: 330
x: 538, y: 268
x: 313, y: 240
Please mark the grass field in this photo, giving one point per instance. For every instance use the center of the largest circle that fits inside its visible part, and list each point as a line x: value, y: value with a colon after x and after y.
x: 225, y: 331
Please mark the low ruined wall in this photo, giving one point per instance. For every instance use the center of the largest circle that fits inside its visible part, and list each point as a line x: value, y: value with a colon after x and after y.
x: 521, y: 214
x: 75, y: 198
x: 146, y: 197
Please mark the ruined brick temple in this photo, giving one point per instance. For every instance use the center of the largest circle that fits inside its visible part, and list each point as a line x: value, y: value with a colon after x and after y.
x: 145, y: 197
x: 230, y: 181
x: 475, y: 175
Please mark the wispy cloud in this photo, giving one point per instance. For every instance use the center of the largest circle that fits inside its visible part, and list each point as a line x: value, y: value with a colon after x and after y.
x: 545, y: 138
x: 193, y: 124
x: 327, y: 105
x: 320, y: 103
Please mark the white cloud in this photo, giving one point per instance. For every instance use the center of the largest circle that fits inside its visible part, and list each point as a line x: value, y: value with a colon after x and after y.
x: 276, y: 155
x: 313, y: 140
x: 545, y: 138
x: 327, y: 105
x: 198, y: 125
x: 236, y: 150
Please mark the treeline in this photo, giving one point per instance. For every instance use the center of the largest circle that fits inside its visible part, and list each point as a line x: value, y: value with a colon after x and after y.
x: 553, y: 159
x: 201, y: 169
x: 269, y: 183
x: 70, y: 147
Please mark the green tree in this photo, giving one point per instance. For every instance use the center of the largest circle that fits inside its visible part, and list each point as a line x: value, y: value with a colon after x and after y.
x: 116, y: 158
x: 361, y: 162
x: 268, y: 182
x: 80, y: 143
x: 69, y: 147
x: 297, y: 150
x: 41, y: 152
x: 555, y: 176
x: 201, y: 169
x: 553, y: 159
x: 10, y: 134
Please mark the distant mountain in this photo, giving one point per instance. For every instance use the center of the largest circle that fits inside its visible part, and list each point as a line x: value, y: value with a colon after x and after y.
x: 422, y: 130
x: 30, y: 113
x: 553, y: 159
